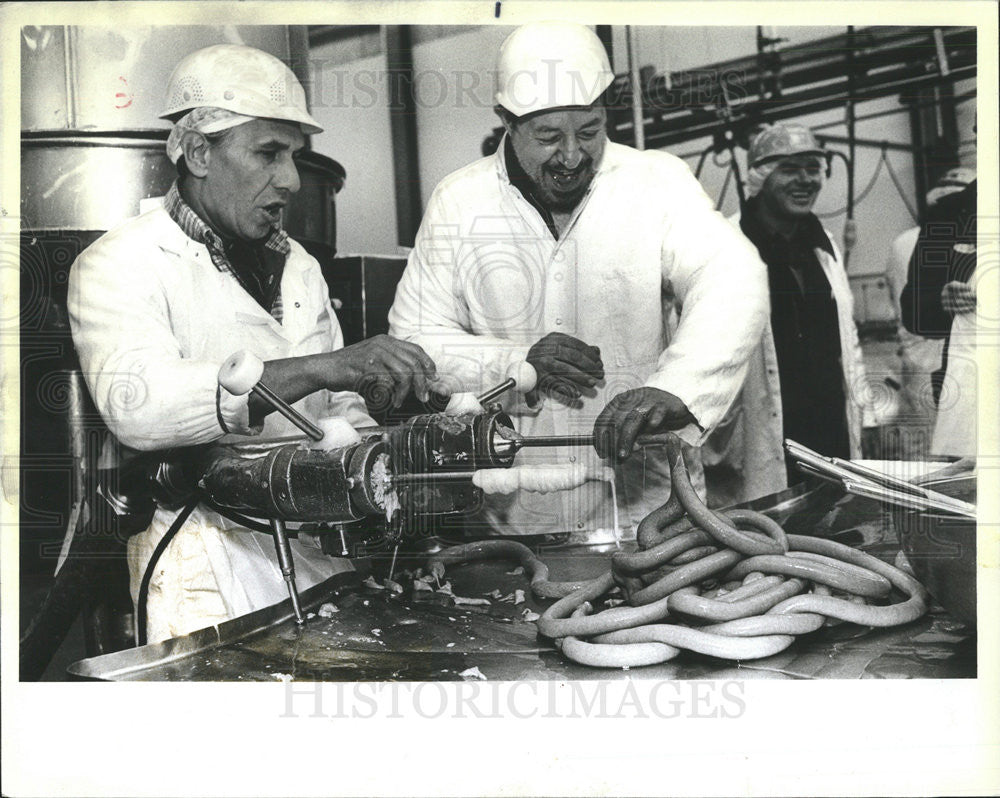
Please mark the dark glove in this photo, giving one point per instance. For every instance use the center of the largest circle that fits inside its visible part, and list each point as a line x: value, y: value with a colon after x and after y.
x: 635, y: 412
x: 566, y: 367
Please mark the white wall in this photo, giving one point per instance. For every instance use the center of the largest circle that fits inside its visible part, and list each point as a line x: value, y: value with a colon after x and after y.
x: 351, y: 101
x: 454, y: 82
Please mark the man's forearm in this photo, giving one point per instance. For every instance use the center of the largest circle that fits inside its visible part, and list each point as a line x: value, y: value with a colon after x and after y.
x: 291, y: 378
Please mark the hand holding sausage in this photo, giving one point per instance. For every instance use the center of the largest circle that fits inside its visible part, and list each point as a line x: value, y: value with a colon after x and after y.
x: 635, y: 412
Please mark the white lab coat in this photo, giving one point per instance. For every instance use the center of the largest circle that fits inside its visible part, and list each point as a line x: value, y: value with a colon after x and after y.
x: 956, y: 425
x: 748, y: 443
x: 486, y: 280
x: 897, y: 266
x: 152, y: 321
x: 919, y: 356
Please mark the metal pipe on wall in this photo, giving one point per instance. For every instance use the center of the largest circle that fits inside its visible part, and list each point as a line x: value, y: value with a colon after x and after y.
x: 850, y: 228
x: 403, y: 122
x: 632, y: 45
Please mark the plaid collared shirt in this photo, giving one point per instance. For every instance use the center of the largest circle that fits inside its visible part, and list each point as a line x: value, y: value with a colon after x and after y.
x: 195, y: 228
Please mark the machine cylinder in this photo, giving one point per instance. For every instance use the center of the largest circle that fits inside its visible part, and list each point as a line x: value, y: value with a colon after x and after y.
x: 437, y: 442
x: 289, y: 482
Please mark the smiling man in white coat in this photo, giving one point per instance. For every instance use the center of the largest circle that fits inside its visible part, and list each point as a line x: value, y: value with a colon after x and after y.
x: 807, y: 379
x: 160, y: 302
x: 578, y: 256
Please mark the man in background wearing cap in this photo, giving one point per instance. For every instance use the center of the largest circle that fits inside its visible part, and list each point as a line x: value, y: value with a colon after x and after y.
x: 806, y: 381
x: 159, y: 303
x: 571, y: 252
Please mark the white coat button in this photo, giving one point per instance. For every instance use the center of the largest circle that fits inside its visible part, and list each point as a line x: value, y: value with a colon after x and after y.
x: 557, y: 277
x: 558, y: 321
x: 572, y: 458
x: 298, y: 305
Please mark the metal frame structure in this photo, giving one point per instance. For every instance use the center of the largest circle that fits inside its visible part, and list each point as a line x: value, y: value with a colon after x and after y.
x: 861, y: 65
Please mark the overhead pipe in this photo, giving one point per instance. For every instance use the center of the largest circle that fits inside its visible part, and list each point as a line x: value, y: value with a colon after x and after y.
x: 886, y: 61
x: 850, y: 227
x: 690, y: 126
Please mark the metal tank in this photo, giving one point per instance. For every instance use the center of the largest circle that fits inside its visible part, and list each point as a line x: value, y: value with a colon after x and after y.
x: 91, y: 149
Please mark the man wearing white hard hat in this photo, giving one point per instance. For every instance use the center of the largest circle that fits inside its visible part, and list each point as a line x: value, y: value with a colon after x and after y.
x: 806, y: 381
x: 573, y: 254
x: 158, y: 304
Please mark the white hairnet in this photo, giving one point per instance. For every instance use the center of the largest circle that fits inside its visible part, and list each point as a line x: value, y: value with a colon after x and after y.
x: 204, y: 120
x: 757, y: 176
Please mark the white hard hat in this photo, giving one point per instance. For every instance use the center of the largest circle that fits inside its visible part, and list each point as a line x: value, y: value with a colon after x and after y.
x: 240, y: 79
x: 782, y: 140
x: 546, y: 65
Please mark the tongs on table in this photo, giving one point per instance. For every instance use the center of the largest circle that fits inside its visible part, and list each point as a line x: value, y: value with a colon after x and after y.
x: 863, y: 481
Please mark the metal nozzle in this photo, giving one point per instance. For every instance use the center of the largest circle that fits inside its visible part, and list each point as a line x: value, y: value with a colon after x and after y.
x: 288, y: 411
x: 499, y: 390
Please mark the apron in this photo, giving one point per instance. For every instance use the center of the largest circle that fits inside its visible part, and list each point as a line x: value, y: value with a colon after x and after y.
x: 955, y: 428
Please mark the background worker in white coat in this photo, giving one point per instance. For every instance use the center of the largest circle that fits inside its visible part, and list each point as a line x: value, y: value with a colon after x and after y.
x: 570, y: 252
x: 159, y: 303
x: 939, y: 300
x: 806, y: 380
x: 921, y: 373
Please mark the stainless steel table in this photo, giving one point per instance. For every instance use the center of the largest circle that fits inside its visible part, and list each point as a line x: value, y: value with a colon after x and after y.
x: 380, y: 636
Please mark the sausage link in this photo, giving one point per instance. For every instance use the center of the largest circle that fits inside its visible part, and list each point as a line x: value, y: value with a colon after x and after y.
x: 849, y: 569
x: 632, y: 562
x: 555, y: 621
x: 714, y: 524
x: 715, y: 610
x: 686, y: 575
x: 799, y: 623
x: 874, y: 585
x: 749, y: 587
x: 754, y: 613
x: 537, y: 570
x: 651, y: 528
x: 714, y: 645
x: 912, y: 608
x: 555, y: 626
x: 631, y: 655
x: 595, y: 655
x: 692, y: 555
